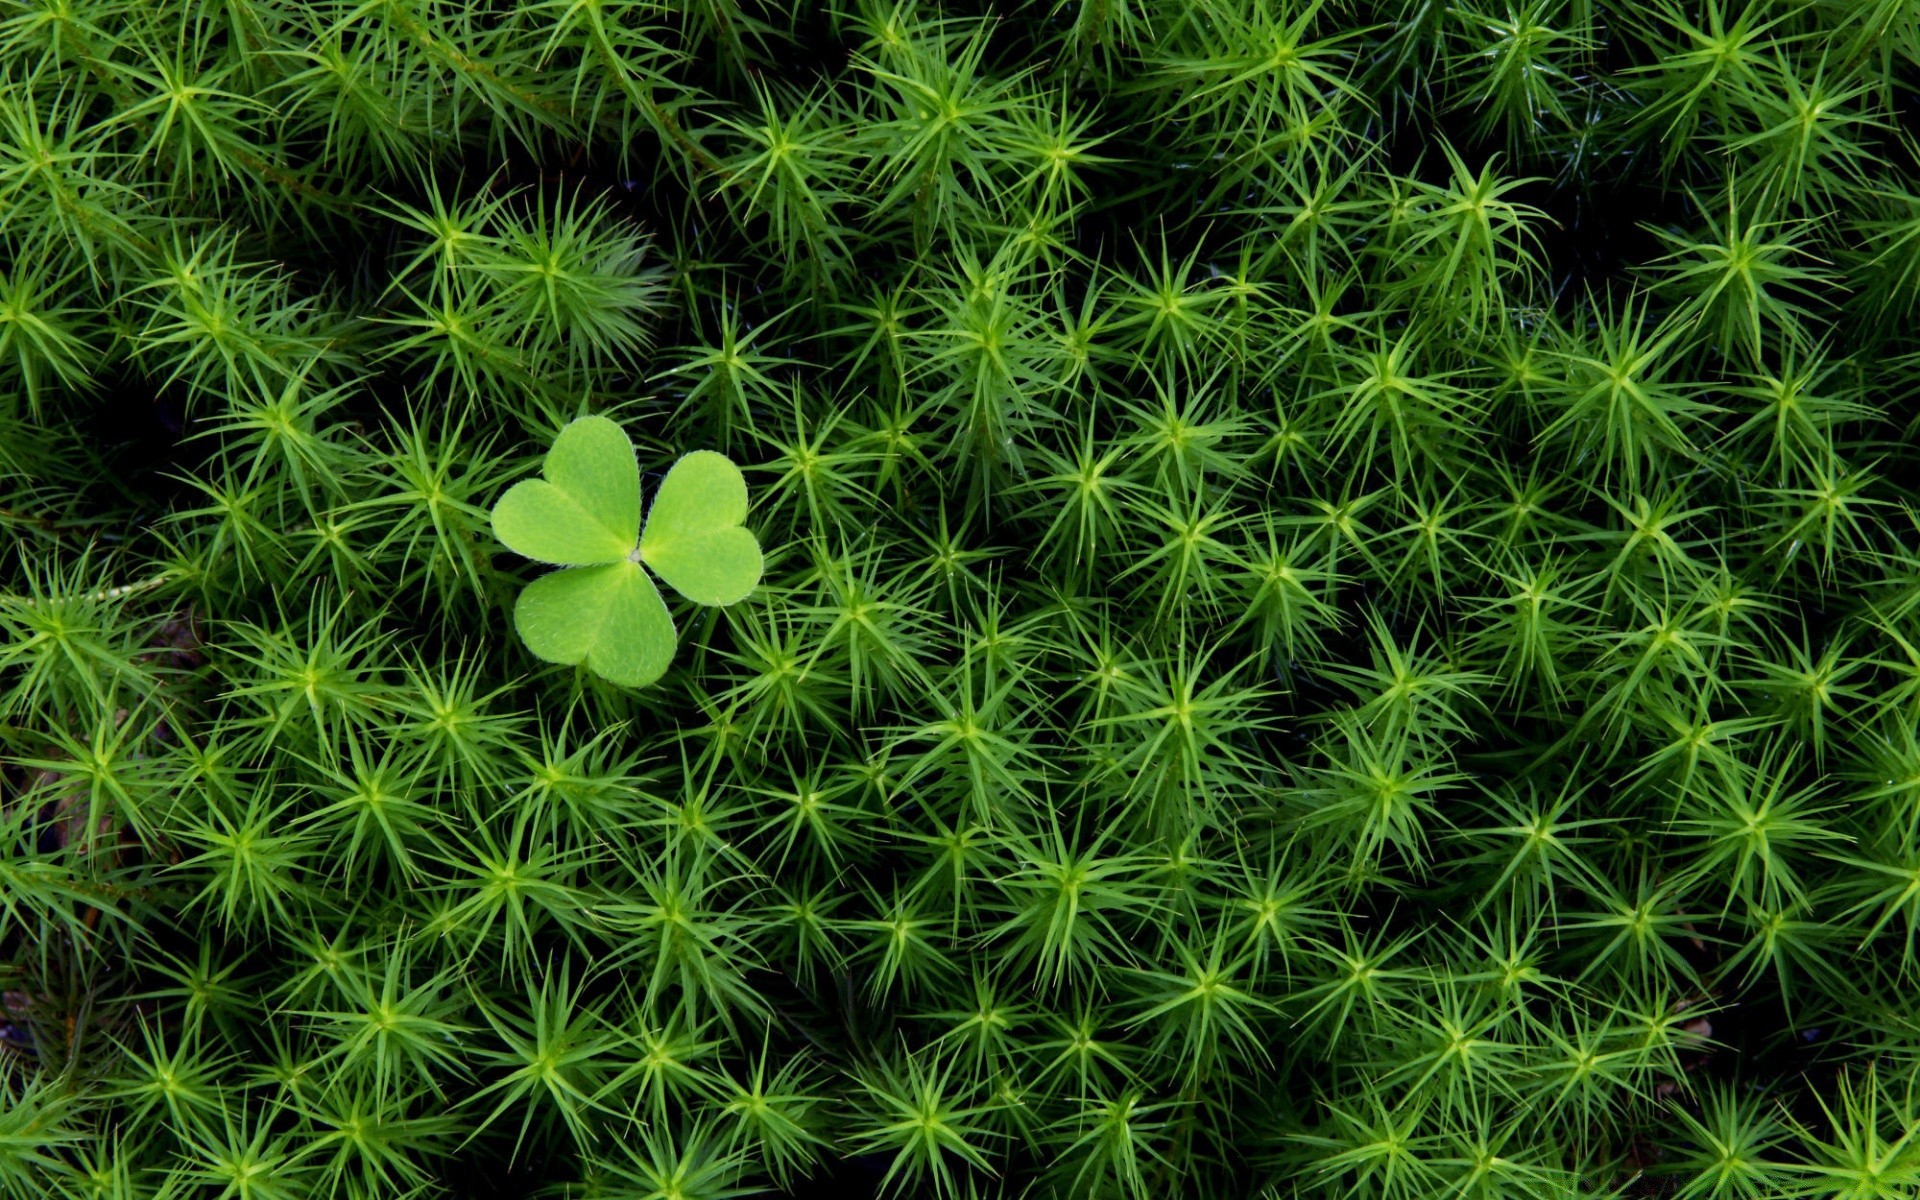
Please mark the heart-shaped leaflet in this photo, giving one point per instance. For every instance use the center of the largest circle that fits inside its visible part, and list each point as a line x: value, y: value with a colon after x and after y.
x: 695, y: 537
x: 603, y: 608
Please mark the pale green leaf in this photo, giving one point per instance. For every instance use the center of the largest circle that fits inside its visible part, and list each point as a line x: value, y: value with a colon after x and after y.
x: 586, y: 510
x: 694, y: 538
x: 610, y: 617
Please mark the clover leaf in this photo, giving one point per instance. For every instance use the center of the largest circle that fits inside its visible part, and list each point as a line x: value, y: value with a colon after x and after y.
x: 602, y: 607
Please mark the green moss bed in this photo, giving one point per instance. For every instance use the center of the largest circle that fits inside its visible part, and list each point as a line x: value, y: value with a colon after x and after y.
x: 1340, y: 614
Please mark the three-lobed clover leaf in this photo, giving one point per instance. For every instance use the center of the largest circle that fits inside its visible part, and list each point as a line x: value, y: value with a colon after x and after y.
x: 602, y: 607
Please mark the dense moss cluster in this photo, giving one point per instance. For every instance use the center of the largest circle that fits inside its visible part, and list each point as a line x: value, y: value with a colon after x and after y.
x: 1341, y: 618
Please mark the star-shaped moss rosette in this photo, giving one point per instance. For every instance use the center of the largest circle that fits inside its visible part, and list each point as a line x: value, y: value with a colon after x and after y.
x: 602, y: 608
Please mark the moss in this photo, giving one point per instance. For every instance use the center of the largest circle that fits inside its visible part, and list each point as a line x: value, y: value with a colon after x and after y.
x: 1339, y: 617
